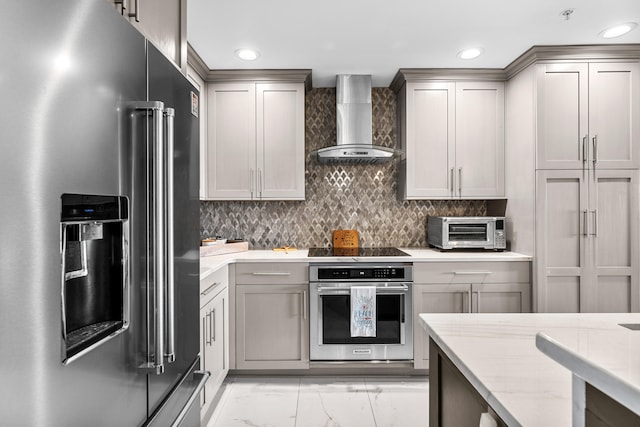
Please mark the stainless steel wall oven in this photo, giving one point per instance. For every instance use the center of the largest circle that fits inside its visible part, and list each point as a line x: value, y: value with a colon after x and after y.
x: 330, y: 290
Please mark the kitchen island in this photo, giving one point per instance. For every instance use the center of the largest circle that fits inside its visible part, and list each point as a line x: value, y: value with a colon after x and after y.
x: 497, y: 358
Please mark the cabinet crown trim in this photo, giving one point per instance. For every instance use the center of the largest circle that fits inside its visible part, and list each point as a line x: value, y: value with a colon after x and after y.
x: 271, y: 76
x: 534, y: 54
x: 449, y: 74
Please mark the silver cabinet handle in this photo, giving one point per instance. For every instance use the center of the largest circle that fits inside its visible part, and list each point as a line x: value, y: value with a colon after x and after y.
x: 122, y: 6
x: 136, y: 14
x: 452, y: 184
x: 304, y: 305
x: 460, y: 181
x: 208, y: 333
x: 595, y: 150
x: 595, y: 223
x: 470, y: 273
x: 251, y: 182
x: 274, y: 273
x: 584, y: 222
x: 585, y: 149
x: 170, y: 352
x: 260, y: 183
x: 478, y: 302
x: 213, y: 327
x: 468, y: 298
x: 209, y: 289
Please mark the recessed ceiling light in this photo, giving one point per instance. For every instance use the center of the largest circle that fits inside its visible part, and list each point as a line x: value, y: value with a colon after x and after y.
x: 618, y: 30
x: 470, y: 53
x: 247, y: 54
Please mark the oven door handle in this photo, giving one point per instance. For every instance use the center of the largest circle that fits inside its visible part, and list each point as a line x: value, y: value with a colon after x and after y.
x: 379, y: 289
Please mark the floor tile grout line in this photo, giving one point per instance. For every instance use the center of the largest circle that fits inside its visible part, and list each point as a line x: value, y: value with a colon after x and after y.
x: 295, y: 421
x: 373, y: 413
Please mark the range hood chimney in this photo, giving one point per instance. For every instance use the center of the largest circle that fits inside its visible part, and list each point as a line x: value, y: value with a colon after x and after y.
x: 354, y: 124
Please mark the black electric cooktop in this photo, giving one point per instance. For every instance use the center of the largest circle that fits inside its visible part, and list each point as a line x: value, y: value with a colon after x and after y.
x: 357, y: 252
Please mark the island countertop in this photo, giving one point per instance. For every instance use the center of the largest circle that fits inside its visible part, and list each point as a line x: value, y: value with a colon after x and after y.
x: 497, y: 353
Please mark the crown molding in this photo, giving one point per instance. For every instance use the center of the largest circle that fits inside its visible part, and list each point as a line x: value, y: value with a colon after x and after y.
x: 601, y: 52
x: 458, y: 74
x: 569, y: 53
x: 196, y: 62
x: 292, y: 75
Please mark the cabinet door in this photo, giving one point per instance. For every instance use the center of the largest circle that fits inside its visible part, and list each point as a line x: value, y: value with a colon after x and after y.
x: 479, y: 140
x: 164, y: 22
x: 272, y: 327
x: 501, y: 298
x: 206, y: 354
x: 231, y: 154
x: 563, y: 105
x: 614, y: 115
x: 613, y: 242
x: 214, y: 344
x: 280, y: 141
x: 441, y: 298
x: 561, y: 235
x: 430, y: 139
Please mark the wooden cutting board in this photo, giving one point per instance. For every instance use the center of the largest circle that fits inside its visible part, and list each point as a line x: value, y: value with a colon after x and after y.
x: 345, y: 239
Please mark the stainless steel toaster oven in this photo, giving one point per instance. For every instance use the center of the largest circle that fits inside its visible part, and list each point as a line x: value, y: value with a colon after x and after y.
x: 467, y: 232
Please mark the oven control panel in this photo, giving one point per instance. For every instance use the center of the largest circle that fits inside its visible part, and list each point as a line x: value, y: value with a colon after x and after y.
x: 350, y: 273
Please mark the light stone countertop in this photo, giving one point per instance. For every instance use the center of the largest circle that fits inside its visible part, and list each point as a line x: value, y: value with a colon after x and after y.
x: 601, y: 353
x: 209, y: 264
x: 497, y: 353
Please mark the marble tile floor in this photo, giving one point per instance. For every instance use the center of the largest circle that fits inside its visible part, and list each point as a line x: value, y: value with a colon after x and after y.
x: 323, y: 402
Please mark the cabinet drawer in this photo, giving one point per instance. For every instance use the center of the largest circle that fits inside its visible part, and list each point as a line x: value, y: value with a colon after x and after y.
x: 212, y: 284
x: 471, y: 272
x: 272, y: 273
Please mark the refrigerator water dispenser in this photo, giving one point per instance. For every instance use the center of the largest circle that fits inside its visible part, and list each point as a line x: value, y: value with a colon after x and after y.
x: 94, y: 253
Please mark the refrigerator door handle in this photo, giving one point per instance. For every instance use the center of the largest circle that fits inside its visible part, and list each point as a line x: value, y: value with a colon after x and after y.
x: 170, y: 328
x: 155, y: 361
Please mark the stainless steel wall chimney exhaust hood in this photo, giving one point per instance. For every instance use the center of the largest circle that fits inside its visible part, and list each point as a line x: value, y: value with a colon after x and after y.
x: 354, y: 125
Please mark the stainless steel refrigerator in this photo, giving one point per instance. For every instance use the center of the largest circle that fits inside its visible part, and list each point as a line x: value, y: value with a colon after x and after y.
x: 99, y: 223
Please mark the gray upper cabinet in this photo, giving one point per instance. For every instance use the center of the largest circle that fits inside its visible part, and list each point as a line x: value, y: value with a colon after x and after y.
x: 452, y: 134
x: 587, y: 116
x: 255, y: 141
x: 163, y: 22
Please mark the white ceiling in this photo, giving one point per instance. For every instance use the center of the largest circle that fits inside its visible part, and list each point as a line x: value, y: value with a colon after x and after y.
x: 378, y: 37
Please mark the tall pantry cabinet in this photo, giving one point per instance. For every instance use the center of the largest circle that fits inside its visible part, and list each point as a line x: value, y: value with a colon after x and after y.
x: 573, y: 160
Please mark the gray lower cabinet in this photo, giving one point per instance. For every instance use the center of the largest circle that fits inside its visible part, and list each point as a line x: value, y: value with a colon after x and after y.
x: 272, y: 316
x: 214, y: 333
x: 473, y: 287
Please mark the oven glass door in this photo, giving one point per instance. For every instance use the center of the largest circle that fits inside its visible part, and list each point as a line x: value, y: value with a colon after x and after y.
x: 336, y: 318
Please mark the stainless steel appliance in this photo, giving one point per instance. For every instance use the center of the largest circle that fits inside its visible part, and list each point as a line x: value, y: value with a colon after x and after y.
x: 354, y: 125
x: 467, y: 232
x: 330, y: 291
x: 99, y: 251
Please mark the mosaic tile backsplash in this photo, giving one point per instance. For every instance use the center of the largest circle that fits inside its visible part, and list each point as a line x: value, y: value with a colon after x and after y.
x: 360, y: 197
